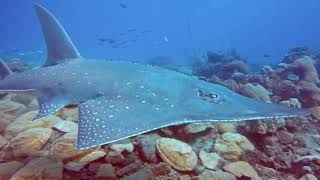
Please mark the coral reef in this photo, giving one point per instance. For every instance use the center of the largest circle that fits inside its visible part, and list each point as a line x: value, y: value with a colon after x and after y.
x: 281, y: 148
x: 222, y: 65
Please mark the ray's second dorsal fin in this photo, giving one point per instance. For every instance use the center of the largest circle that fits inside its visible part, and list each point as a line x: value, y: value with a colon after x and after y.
x: 59, y: 45
x: 4, y: 70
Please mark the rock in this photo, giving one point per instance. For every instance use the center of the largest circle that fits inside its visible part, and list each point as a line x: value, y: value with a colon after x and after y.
x: 285, y: 137
x: 209, y: 160
x: 40, y: 153
x: 33, y: 105
x: 216, y: 175
x: 178, y: 154
x: 315, y: 112
x: 232, y: 145
x: 255, y: 91
x: 8, y: 169
x: 25, y: 121
x: 3, y: 141
x: 119, y: 148
x: 232, y: 68
x: 66, y: 126
x: 114, y: 158
x: 6, y: 119
x: 308, y: 177
x: 127, y: 170
x: 147, y: 148
x: 23, y: 98
x: 199, y: 169
x: 267, y: 173
x: 225, y: 127
x: 198, y: 127
x: 241, y: 168
x: 292, y: 102
x: 306, y: 69
x: 161, y: 169
x: 11, y: 107
x: 92, y: 156
x: 26, y: 142
x: 185, y: 177
x: 73, y: 166
x: 142, y: 174
x: 83, y: 161
x: 308, y: 159
x: 64, y: 147
x: 106, y: 171
x: 69, y: 114
x: 263, y: 127
x: 41, y: 168
x: 267, y: 69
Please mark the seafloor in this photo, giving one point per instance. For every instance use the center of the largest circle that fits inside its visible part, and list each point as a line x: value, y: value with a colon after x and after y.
x: 263, y: 149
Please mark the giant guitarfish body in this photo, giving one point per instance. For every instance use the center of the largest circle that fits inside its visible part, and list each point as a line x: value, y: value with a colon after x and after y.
x: 118, y: 100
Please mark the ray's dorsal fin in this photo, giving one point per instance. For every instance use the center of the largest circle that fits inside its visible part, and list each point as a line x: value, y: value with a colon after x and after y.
x: 59, y: 45
x: 4, y: 70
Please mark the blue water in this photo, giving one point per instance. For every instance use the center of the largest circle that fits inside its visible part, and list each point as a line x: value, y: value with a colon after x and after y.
x: 253, y: 27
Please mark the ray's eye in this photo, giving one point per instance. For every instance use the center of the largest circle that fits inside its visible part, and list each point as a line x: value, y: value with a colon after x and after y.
x: 210, y: 97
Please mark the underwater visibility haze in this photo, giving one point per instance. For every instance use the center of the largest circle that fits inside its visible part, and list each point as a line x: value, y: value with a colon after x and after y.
x: 154, y: 117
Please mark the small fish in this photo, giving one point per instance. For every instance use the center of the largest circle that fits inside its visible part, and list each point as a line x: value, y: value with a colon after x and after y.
x: 111, y: 41
x: 165, y: 39
x: 102, y: 39
x: 293, y: 77
x: 131, y: 30
x: 266, y: 56
x: 123, y: 5
x: 146, y: 31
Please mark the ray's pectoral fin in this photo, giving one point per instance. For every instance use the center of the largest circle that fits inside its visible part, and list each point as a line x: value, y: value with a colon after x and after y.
x: 104, y: 121
x: 49, y: 105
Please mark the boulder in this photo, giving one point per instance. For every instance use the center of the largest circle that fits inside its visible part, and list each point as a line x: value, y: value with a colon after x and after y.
x: 25, y: 121
x: 177, y: 153
x: 64, y: 147
x: 8, y: 169
x: 232, y: 145
x: 240, y: 169
x: 40, y: 168
x: 26, y: 143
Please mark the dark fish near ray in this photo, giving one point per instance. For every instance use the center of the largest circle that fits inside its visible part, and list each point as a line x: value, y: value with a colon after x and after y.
x: 119, y: 99
x: 123, y: 5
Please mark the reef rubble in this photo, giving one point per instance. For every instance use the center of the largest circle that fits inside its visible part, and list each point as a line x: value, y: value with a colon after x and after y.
x: 282, y: 148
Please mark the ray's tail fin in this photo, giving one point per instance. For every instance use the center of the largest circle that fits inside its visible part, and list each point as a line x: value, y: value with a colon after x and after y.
x: 59, y: 45
x: 4, y: 70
